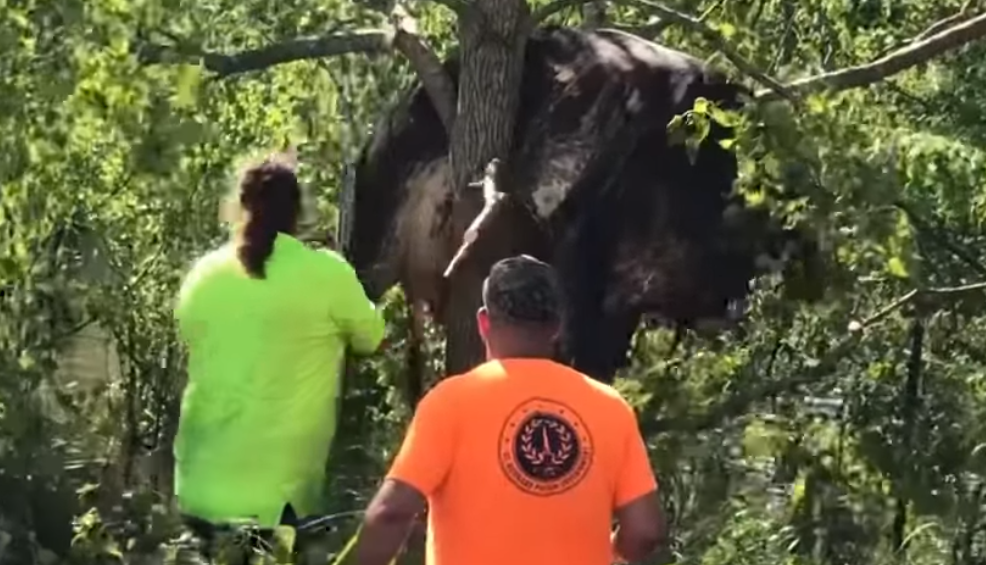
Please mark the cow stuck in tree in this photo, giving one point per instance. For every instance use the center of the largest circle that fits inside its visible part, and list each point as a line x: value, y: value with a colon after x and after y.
x: 591, y: 185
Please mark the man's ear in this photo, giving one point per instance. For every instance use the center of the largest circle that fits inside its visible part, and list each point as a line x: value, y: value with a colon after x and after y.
x: 483, y: 321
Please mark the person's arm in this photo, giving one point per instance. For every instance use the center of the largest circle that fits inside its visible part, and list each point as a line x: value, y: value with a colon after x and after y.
x: 641, y: 527
x: 419, y: 469
x: 360, y: 320
x: 388, y: 522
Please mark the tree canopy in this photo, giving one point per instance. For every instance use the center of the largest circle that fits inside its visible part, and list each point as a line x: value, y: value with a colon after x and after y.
x: 846, y: 431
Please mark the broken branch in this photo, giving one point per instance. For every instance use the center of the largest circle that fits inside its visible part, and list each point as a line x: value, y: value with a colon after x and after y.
x: 225, y: 65
x: 427, y: 66
x: 918, y: 52
x: 491, y: 197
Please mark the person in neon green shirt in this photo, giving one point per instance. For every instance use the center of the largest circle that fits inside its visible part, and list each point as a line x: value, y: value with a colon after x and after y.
x: 266, y: 321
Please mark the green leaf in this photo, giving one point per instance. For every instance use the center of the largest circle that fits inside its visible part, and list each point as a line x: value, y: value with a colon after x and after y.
x: 676, y: 122
x: 897, y: 268
x: 724, y: 118
x: 727, y: 30
x: 284, y: 540
x: 701, y: 106
x: 187, y: 81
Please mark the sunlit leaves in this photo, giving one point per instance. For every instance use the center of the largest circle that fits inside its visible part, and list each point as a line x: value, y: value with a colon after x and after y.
x: 107, y: 162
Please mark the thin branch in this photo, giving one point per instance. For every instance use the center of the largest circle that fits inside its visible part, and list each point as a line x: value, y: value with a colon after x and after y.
x: 716, y: 38
x: 920, y: 296
x: 55, y: 340
x: 884, y: 312
x: 653, y: 29
x: 437, y: 83
x: 647, y: 31
x: 738, y: 405
x: 552, y: 8
x: 921, y: 51
x: 225, y: 65
x: 403, y: 38
x: 964, y: 12
x: 938, y: 234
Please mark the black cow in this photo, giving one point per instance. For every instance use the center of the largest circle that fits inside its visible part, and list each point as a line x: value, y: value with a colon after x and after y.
x: 592, y: 185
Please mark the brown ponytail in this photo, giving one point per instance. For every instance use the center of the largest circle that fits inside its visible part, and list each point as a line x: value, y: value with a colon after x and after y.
x: 270, y: 198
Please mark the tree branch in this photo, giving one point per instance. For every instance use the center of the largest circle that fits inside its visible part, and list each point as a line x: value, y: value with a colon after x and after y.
x: 737, y: 405
x: 937, y: 232
x: 552, y: 8
x: 437, y: 83
x: 648, y: 31
x: 964, y: 12
x: 920, y: 297
x: 918, y: 52
x: 402, y: 38
x: 225, y: 65
x: 713, y: 36
x: 652, y: 29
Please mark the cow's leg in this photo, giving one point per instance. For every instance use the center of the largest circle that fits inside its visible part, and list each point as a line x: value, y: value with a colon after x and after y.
x: 595, y: 338
x: 604, y: 348
x: 416, y: 365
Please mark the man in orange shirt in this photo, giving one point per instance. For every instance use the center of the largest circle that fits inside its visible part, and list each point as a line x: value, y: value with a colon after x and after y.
x: 522, y: 460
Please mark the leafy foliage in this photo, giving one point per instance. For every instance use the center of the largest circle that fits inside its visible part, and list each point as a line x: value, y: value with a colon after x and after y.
x: 847, y: 431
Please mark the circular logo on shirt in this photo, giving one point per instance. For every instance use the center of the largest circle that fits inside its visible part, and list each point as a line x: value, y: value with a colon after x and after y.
x: 545, y: 448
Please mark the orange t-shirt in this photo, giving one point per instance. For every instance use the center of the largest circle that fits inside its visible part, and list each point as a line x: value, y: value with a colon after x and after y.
x: 523, y: 461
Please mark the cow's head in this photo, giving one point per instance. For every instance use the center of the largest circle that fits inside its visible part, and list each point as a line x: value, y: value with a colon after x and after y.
x: 755, y: 244
x: 705, y: 245
x: 388, y: 216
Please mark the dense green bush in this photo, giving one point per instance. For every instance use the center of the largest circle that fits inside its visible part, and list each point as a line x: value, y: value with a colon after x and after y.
x: 847, y: 431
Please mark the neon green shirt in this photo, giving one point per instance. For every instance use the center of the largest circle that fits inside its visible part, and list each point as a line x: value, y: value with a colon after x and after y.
x: 259, y: 412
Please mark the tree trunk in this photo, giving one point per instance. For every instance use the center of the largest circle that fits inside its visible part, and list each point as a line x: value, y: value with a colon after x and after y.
x: 492, y: 37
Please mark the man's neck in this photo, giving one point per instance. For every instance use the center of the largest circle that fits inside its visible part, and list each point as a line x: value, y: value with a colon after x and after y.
x: 521, y: 353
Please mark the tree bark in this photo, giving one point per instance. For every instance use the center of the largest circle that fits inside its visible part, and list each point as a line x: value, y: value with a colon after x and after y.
x: 492, y: 37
